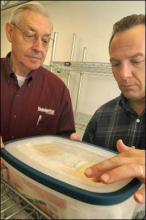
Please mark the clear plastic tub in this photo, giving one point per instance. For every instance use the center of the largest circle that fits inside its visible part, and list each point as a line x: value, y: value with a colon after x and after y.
x: 49, y: 171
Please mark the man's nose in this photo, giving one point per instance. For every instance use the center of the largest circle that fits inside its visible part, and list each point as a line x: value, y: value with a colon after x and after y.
x: 125, y: 71
x: 38, y: 44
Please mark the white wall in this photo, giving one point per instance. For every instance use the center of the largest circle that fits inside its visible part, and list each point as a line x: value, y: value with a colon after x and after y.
x: 92, y: 22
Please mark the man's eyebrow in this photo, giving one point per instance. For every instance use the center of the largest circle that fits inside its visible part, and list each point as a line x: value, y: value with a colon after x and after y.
x: 113, y: 59
x: 34, y: 30
x: 31, y: 28
x: 133, y: 56
x: 137, y: 55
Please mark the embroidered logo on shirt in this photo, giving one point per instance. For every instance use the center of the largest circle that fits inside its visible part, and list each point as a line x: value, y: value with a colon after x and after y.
x: 47, y: 111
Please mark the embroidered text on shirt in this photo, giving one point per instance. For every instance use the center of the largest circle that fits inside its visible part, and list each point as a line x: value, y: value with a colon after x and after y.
x: 47, y: 111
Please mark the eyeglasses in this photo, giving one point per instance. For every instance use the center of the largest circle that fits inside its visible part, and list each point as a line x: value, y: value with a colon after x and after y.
x: 32, y: 36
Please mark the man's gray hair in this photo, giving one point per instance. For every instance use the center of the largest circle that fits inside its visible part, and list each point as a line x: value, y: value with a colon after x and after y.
x: 127, y: 23
x: 32, y: 6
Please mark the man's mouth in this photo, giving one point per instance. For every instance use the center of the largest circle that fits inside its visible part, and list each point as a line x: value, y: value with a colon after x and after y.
x: 34, y: 57
x: 127, y: 87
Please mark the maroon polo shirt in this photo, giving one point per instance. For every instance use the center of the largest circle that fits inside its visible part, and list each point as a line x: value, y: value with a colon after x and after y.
x: 42, y: 106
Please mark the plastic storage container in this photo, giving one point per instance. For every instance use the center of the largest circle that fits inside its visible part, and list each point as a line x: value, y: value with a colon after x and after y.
x: 49, y: 171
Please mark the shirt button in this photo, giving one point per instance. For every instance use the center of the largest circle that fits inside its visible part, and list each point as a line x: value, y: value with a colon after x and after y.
x: 14, y: 116
x: 137, y: 120
x: 12, y: 136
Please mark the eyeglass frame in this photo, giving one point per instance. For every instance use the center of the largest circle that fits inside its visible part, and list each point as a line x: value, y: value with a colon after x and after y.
x: 35, y: 36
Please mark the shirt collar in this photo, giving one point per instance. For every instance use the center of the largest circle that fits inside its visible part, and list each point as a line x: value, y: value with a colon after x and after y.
x: 123, y: 102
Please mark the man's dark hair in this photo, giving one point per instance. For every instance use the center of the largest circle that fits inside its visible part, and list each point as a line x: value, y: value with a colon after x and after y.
x: 127, y: 23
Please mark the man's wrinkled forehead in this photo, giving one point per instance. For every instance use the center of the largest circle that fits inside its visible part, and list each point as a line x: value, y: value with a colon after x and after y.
x: 33, y: 18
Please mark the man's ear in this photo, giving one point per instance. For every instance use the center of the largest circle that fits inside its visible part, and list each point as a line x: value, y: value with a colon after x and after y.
x: 9, y: 31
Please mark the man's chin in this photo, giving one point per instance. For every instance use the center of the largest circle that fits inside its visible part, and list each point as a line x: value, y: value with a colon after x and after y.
x: 132, y: 96
x: 34, y: 66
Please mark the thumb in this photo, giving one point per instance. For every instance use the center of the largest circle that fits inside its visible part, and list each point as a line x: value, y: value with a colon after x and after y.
x: 121, y: 147
x: 140, y: 195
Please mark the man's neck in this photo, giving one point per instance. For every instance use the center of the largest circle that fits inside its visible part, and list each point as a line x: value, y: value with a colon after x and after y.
x: 18, y: 68
x: 138, y: 106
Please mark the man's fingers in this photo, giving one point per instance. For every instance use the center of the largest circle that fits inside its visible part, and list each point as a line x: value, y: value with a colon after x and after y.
x: 123, y: 172
x: 139, y: 196
x: 98, y: 169
x: 107, y: 165
x: 2, y: 144
x: 74, y: 137
x: 1, y: 163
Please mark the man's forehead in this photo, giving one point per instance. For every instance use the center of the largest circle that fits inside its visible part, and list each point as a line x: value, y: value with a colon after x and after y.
x: 129, y: 39
x: 32, y: 17
x: 132, y: 32
x: 37, y: 23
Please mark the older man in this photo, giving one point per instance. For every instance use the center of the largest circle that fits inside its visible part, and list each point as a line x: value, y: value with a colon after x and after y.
x: 34, y: 101
x: 120, y: 123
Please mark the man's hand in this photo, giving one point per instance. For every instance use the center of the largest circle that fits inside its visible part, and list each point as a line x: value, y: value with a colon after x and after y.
x: 2, y: 145
x: 74, y: 137
x: 129, y: 163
